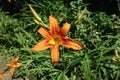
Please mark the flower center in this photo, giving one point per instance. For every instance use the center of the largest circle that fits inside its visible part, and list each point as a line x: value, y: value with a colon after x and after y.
x: 55, y: 40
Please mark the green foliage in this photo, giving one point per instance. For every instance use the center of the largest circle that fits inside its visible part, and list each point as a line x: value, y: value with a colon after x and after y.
x: 118, y: 4
x: 99, y: 34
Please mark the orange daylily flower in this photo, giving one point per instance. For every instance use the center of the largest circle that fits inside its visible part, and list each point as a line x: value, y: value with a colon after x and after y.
x: 13, y: 65
x: 54, y: 38
x: 1, y: 74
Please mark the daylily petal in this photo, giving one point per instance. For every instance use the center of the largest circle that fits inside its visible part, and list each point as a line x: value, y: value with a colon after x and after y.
x: 15, y: 60
x: 65, y: 29
x: 17, y: 65
x: 12, y: 71
x: 9, y: 65
x: 44, y: 32
x: 1, y: 74
x: 55, y: 54
x: 54, y: 26
x: 68, y: 42
x: 42, y: 45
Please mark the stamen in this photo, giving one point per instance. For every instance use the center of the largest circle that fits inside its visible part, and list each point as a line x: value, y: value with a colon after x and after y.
x: 56, y: 40
x: 52, y: 41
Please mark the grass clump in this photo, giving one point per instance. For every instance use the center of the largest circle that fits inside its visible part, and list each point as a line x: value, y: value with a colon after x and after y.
x: 98, y: 32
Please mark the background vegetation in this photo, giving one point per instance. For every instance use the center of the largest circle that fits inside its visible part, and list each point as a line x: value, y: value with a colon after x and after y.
x: 98, y: 32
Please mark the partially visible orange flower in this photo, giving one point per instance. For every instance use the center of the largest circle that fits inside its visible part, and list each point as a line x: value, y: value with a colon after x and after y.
x: 13, y: 65
x: 54, y: 38
x: 1, y: 74
x: 9, y: 0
